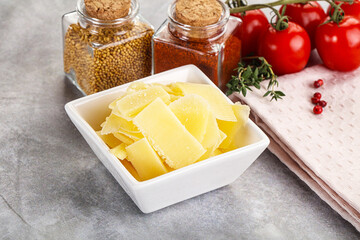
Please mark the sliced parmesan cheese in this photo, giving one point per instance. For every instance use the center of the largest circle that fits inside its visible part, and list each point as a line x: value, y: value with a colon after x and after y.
x: 167, y: 135
x: 112, y: 105
x: 119, y: 151
x: 218, y: 103
x: 132, y: 104
x: 193, y: 113
x: 232, y: 128
x: 131, y: 169
x: 154, y: 129
x: 114, y: 123
x: 131, y: 135
x: 137, y: 86
x: 109, y: 139
x: 145, y: 160
x: 111, y: 124
x: 212, y: 135
x: 223, y: 136
x: 165, y: 87
x: 123, y: 138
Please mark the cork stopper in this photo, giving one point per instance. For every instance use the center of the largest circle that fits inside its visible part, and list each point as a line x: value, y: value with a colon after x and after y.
x: 198, y: 13
x: 107, y: 9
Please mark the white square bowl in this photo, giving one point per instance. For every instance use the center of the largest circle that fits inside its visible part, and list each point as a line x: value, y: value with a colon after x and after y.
x: 87, y: 113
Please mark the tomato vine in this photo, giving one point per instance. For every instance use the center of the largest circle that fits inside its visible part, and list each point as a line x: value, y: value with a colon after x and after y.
x: 281, y: 33
x: 238, y: 6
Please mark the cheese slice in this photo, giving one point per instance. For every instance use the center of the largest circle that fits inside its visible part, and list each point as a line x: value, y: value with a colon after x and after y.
x: 109, y: 139
x: 131, y: 169
x: 131, y: 135
x: 115, y: 122
x: 165, y: 87
x: 231, y: 129
x: 216, y: 99
x: 132, y: 104
x: 119, y: 151
x: 112, y: 105
x: 193, y: 112
x: 223, y: 136
x: 174, y: 97
x: 145, y: 160
x: 137, y: 86
x: 212, y: 135
x: 112, y: 124
x: 167, y: 135
x: 123, y: 138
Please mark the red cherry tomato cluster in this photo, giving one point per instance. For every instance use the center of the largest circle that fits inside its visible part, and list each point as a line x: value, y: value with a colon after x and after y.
x: 288, y: 50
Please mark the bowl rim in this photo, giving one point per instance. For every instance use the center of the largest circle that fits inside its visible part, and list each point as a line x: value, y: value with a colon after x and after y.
x: 70, y: 108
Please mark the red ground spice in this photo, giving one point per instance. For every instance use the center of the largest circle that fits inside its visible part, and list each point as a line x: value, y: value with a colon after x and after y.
x: 217, y: 58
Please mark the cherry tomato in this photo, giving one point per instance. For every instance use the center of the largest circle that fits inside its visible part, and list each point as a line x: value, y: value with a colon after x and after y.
x: 309, y: 16
x: 254, y: 24
x: 288, y: 51
x: 339, y: 45
x: 350, y: 9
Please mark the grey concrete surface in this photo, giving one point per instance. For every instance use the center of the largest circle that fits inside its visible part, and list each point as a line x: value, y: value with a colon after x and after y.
x: 52, y: 186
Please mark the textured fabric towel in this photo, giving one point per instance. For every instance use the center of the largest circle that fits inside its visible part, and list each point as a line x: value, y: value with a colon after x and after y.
x: 323, y: 150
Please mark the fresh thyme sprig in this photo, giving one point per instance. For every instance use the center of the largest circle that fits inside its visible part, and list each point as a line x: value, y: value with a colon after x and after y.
x: 251, y: 72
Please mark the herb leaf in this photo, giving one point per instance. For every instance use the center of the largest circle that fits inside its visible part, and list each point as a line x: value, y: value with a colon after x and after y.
x: 251, y: 71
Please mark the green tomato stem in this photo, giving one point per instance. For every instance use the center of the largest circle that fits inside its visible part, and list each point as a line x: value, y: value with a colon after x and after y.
x: 282, y: 21
x: 241, y: 9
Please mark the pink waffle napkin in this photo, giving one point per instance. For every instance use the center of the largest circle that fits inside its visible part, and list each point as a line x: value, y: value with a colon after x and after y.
x: 323, y: 150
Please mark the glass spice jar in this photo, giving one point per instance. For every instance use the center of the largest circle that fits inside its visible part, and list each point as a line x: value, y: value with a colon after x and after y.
x: 215, y: 48
x: 101, y: 54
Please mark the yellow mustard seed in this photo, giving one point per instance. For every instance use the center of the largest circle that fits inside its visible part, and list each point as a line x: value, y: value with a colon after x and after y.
x: 99, y: 58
